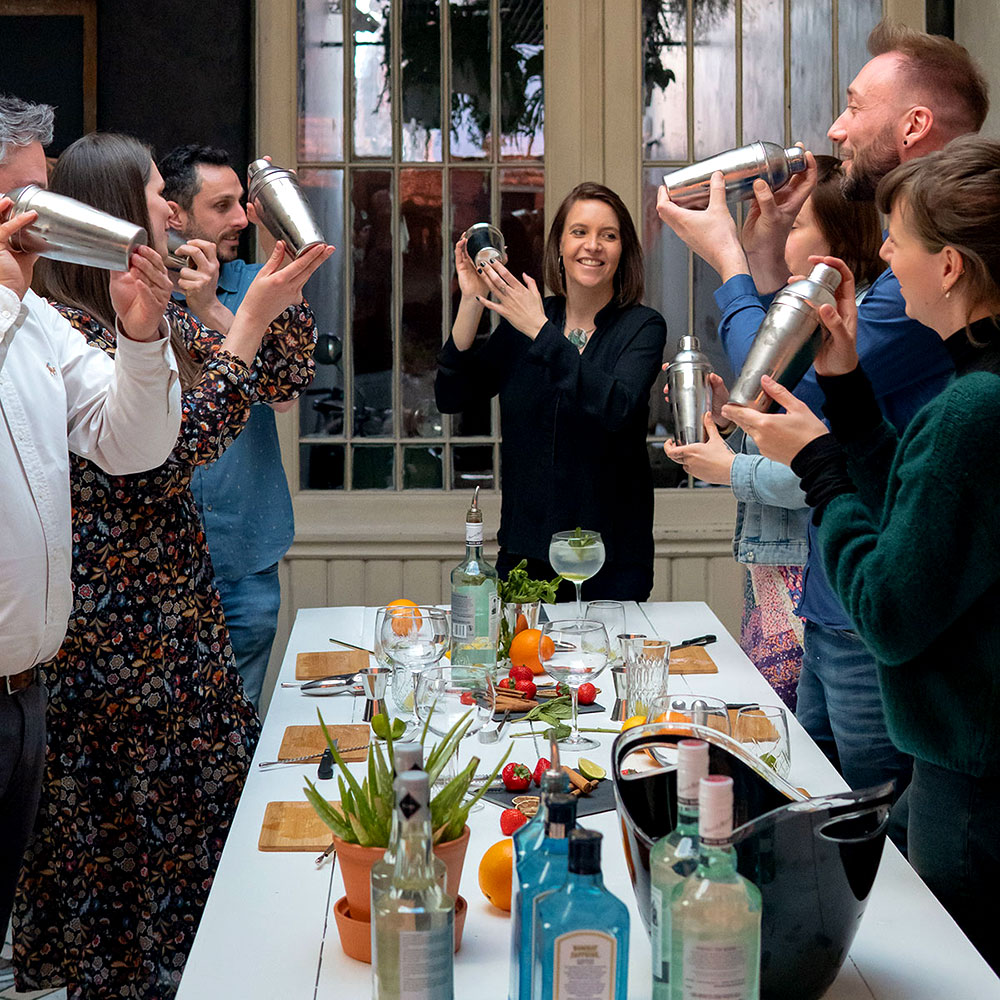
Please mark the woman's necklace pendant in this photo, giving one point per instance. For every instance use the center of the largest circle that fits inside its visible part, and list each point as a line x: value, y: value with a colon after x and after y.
x: 578, y: 338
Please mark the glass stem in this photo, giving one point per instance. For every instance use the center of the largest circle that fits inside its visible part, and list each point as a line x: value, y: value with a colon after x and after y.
x: 574, y: 695
x: 579, y: 599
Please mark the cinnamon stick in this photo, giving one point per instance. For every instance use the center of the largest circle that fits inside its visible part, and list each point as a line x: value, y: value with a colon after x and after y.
x: 577, y: 780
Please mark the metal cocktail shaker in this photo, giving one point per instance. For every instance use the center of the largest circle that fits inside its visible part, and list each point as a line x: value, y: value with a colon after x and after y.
x: 485, y: 243
x: 690, y: 392
x: 173, y: 259
x: 788, y: 339
x: 689, y: 186
x: 282, y: 206
x: 69, y: 230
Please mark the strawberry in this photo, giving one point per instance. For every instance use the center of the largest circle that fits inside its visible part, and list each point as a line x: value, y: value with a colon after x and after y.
x: 510, y: 820
x: 507, y: 684
x: 516, y: 777
x: 586, y: 694
x: 468, y: 698
x: 521, y: 673
x: 528, y: 687
x: 541, y: 767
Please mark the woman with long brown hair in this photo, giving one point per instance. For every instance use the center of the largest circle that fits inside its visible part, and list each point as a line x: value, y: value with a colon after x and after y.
x: 573, y: 373
x: 150, y: 733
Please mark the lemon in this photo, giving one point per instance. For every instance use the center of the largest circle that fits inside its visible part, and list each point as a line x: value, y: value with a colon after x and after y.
x: 408, y: 702
x: 635, y: 720
x: 590, y: 770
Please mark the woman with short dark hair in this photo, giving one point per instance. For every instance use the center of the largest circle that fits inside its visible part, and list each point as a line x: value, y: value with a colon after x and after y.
x: 573, y: 373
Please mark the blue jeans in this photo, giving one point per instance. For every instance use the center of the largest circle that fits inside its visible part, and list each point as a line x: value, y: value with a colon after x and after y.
x: 251, y: 604
x: 840, y: 707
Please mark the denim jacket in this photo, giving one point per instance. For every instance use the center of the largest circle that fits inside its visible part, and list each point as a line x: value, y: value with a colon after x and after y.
x: 771, y: 516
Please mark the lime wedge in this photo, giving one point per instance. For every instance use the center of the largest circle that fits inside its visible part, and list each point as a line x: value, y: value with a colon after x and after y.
x: 590, y: 770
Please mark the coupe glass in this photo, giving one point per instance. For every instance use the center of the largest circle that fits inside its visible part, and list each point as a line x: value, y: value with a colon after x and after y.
x: 612, y: 615
x: 446, y: 695
x: 579, y: 651
x: 576, y: 556
x: 411, y: 639
x: 763, y: 729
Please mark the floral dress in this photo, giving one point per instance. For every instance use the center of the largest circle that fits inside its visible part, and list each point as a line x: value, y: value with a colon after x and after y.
x: 150, y: 735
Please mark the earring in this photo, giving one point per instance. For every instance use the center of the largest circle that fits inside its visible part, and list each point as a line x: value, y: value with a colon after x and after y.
x: 947, y: 294
x: 904, y: 142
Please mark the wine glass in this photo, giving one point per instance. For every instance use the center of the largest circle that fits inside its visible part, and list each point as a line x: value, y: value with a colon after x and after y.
x: 699, y: 709
x: 447, y: 695
x: 576, y: 556
x: 411, y: 639
x: 612, y: 615
x: 574, y: 650
x: 763, y: 729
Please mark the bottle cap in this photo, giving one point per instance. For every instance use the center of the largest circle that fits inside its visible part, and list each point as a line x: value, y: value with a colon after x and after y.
x: 561, y: 816
x: 715, y: 810
x: 408, y: 756
x: 585, y: 852
x: 412, y: 795
x: 692, y: 766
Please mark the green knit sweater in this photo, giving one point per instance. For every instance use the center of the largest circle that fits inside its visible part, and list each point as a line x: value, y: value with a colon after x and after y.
x: 915, y: 557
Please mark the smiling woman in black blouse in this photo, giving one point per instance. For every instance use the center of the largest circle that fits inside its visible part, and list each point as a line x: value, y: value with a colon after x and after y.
x: 574, y: 373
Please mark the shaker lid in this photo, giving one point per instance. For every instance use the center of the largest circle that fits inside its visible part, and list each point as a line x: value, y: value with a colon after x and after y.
x: 796, y: 157
x: 825, y: 275
x: 689, y: 352
x: 256, y: 167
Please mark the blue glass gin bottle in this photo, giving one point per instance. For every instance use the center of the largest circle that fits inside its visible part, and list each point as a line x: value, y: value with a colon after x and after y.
x: 581, y: 931
x: 673, y: 858
x: 542, y: 869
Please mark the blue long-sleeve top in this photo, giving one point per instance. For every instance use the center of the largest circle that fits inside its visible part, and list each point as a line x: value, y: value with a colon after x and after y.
x: 905, y: 361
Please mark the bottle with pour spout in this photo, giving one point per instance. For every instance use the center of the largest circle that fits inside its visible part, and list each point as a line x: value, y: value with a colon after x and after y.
x: 475, y: 606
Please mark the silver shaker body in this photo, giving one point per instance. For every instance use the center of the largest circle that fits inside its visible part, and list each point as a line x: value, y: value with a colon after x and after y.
x: 173, y: 259
x: 690, y: 392
x: 282, y: 206
x: 690, y: 186
x: 485, y: 242
x: 788, y: 338
x: 69, y: 230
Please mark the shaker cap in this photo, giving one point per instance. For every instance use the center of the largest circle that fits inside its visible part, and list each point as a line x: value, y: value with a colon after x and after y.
x: 825, y: 275
x: 692, y: 766
x: 689, y: 353
x: 796, y: 157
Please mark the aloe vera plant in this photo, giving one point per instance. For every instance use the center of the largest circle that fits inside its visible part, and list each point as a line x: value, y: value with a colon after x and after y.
x: 365, y: 813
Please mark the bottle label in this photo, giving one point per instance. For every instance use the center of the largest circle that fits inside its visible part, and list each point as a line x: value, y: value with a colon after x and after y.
x: 661, y: 972
x: 473, y: 533
x: 425, y: 964
x: 585, y: 966
x: 463, y: 615
x: 715, y: 971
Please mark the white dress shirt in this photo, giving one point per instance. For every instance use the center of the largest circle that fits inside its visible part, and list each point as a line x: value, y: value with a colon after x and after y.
x: 58, y: 394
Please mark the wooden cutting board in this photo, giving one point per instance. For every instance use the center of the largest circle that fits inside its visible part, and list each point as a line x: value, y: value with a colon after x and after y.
x: 299, y: 741
x: 293, y: 826
x: 329, y: 663
x: 693, y: 660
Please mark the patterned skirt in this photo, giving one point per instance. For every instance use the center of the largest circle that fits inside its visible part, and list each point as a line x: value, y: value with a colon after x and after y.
x: 771, y: 631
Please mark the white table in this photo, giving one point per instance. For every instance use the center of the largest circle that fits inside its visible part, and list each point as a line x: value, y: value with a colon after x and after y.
x: 267, y: 931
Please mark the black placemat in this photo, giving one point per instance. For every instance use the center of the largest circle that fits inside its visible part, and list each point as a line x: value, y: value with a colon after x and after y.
x: 601, y: 799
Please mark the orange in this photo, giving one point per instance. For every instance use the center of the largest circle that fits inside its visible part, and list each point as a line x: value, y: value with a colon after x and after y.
x: 524, y: 649
x: 496, y: 873
x: 405, y: 623
x: 522, y: 623
x: 633, y: 721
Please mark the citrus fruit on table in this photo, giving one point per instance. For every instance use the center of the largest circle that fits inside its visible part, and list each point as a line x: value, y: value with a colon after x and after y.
x: 524, y: 650
x: 590, y: 770
x: 633, y: 721
x: 405, y: 621
x: 496, y: 872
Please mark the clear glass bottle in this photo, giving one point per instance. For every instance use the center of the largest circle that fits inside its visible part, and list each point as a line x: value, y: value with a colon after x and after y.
x: 527, y: 839
x: 405, y: 757
x: 581, y: 931
x: 413, y: 923
x: 475, y: 606
x: 538, y: 871
x: 673, y: 858
x: 715, y: 914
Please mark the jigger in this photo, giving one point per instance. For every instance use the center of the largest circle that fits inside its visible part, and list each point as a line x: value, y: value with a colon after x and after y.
x: 282, y: 206
x: 374, y: 681
x: 69, y: 230
x: 619, y: 677
x: 485, y: 243
x: 173, y: 259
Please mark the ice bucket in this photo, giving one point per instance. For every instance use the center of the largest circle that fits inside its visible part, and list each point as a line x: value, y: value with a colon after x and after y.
x: 813, y: 859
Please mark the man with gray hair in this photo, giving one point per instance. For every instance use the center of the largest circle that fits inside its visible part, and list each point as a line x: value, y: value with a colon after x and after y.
x: 57, y: 394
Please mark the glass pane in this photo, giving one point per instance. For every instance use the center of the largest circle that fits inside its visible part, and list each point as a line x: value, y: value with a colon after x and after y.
x: 372, y: 467
x: 666, y: 265
x: 470, y: 78
x: 763, y: 70
x: 664, y: 80
x: 470, y: 203
x: 423, y: 468
x: 811, y: 80
x: 714, y: 38
x: 706, y: 318
x: 855, y: 20
x: 420, y: 42
x: 372, y: 97
x: 522, y: 219
x: 371, y: 303
x: 522, y: 103
x: 472, y: 466
x: 321, y: 81
x: 321, y: 466
x: 420, y: 246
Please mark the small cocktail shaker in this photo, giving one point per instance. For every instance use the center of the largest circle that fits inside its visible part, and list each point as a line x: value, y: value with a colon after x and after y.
x: 690, y: 392
x: 788, y: 339
x: 282, y: 206
x: 173, y: 259
x: 485, y: 242
x: 689, y: 186
x: 69, y: 230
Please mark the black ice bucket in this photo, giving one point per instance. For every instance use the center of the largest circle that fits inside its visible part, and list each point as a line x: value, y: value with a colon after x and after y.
x: 813, y: 859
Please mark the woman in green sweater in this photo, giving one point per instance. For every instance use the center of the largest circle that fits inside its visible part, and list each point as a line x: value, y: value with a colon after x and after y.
x: 910, y: 525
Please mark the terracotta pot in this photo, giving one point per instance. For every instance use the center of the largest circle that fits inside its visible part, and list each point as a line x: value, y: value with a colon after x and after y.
x: 356, y: 865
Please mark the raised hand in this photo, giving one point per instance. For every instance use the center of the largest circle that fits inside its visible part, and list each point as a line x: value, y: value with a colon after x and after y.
x: 15, y: 267
x: 470, y: 283
x: 519, y: 304
x: 710, y: 461
x: 838, y: 353
x: 277, y: 287
x: 199, y: 283
x: 140, y: 294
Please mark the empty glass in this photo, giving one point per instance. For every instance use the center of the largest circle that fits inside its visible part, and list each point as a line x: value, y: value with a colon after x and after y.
x: 647, y: 672
x: 410, y: 639
x: 763, y: 729
x: 577, y: 556
x: 612, y: 615
x: 699, y: 709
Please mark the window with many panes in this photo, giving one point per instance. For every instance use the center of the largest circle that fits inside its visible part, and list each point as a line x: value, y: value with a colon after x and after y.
x: 417, y: 119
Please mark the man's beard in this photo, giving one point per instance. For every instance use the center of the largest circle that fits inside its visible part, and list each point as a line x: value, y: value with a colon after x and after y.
x: 868, y: 168
x: 225, y: 254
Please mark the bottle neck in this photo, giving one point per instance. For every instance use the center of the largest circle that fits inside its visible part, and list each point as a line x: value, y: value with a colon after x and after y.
x: 687, y: 817
x: 578, y: 881
x: 414, y: 852
x: 473, y: 538
x: 716, y: 862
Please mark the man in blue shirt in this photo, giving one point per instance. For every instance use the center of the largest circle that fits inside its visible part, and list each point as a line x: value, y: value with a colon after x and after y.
x: 243, y: 498
x: 917, y: 93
